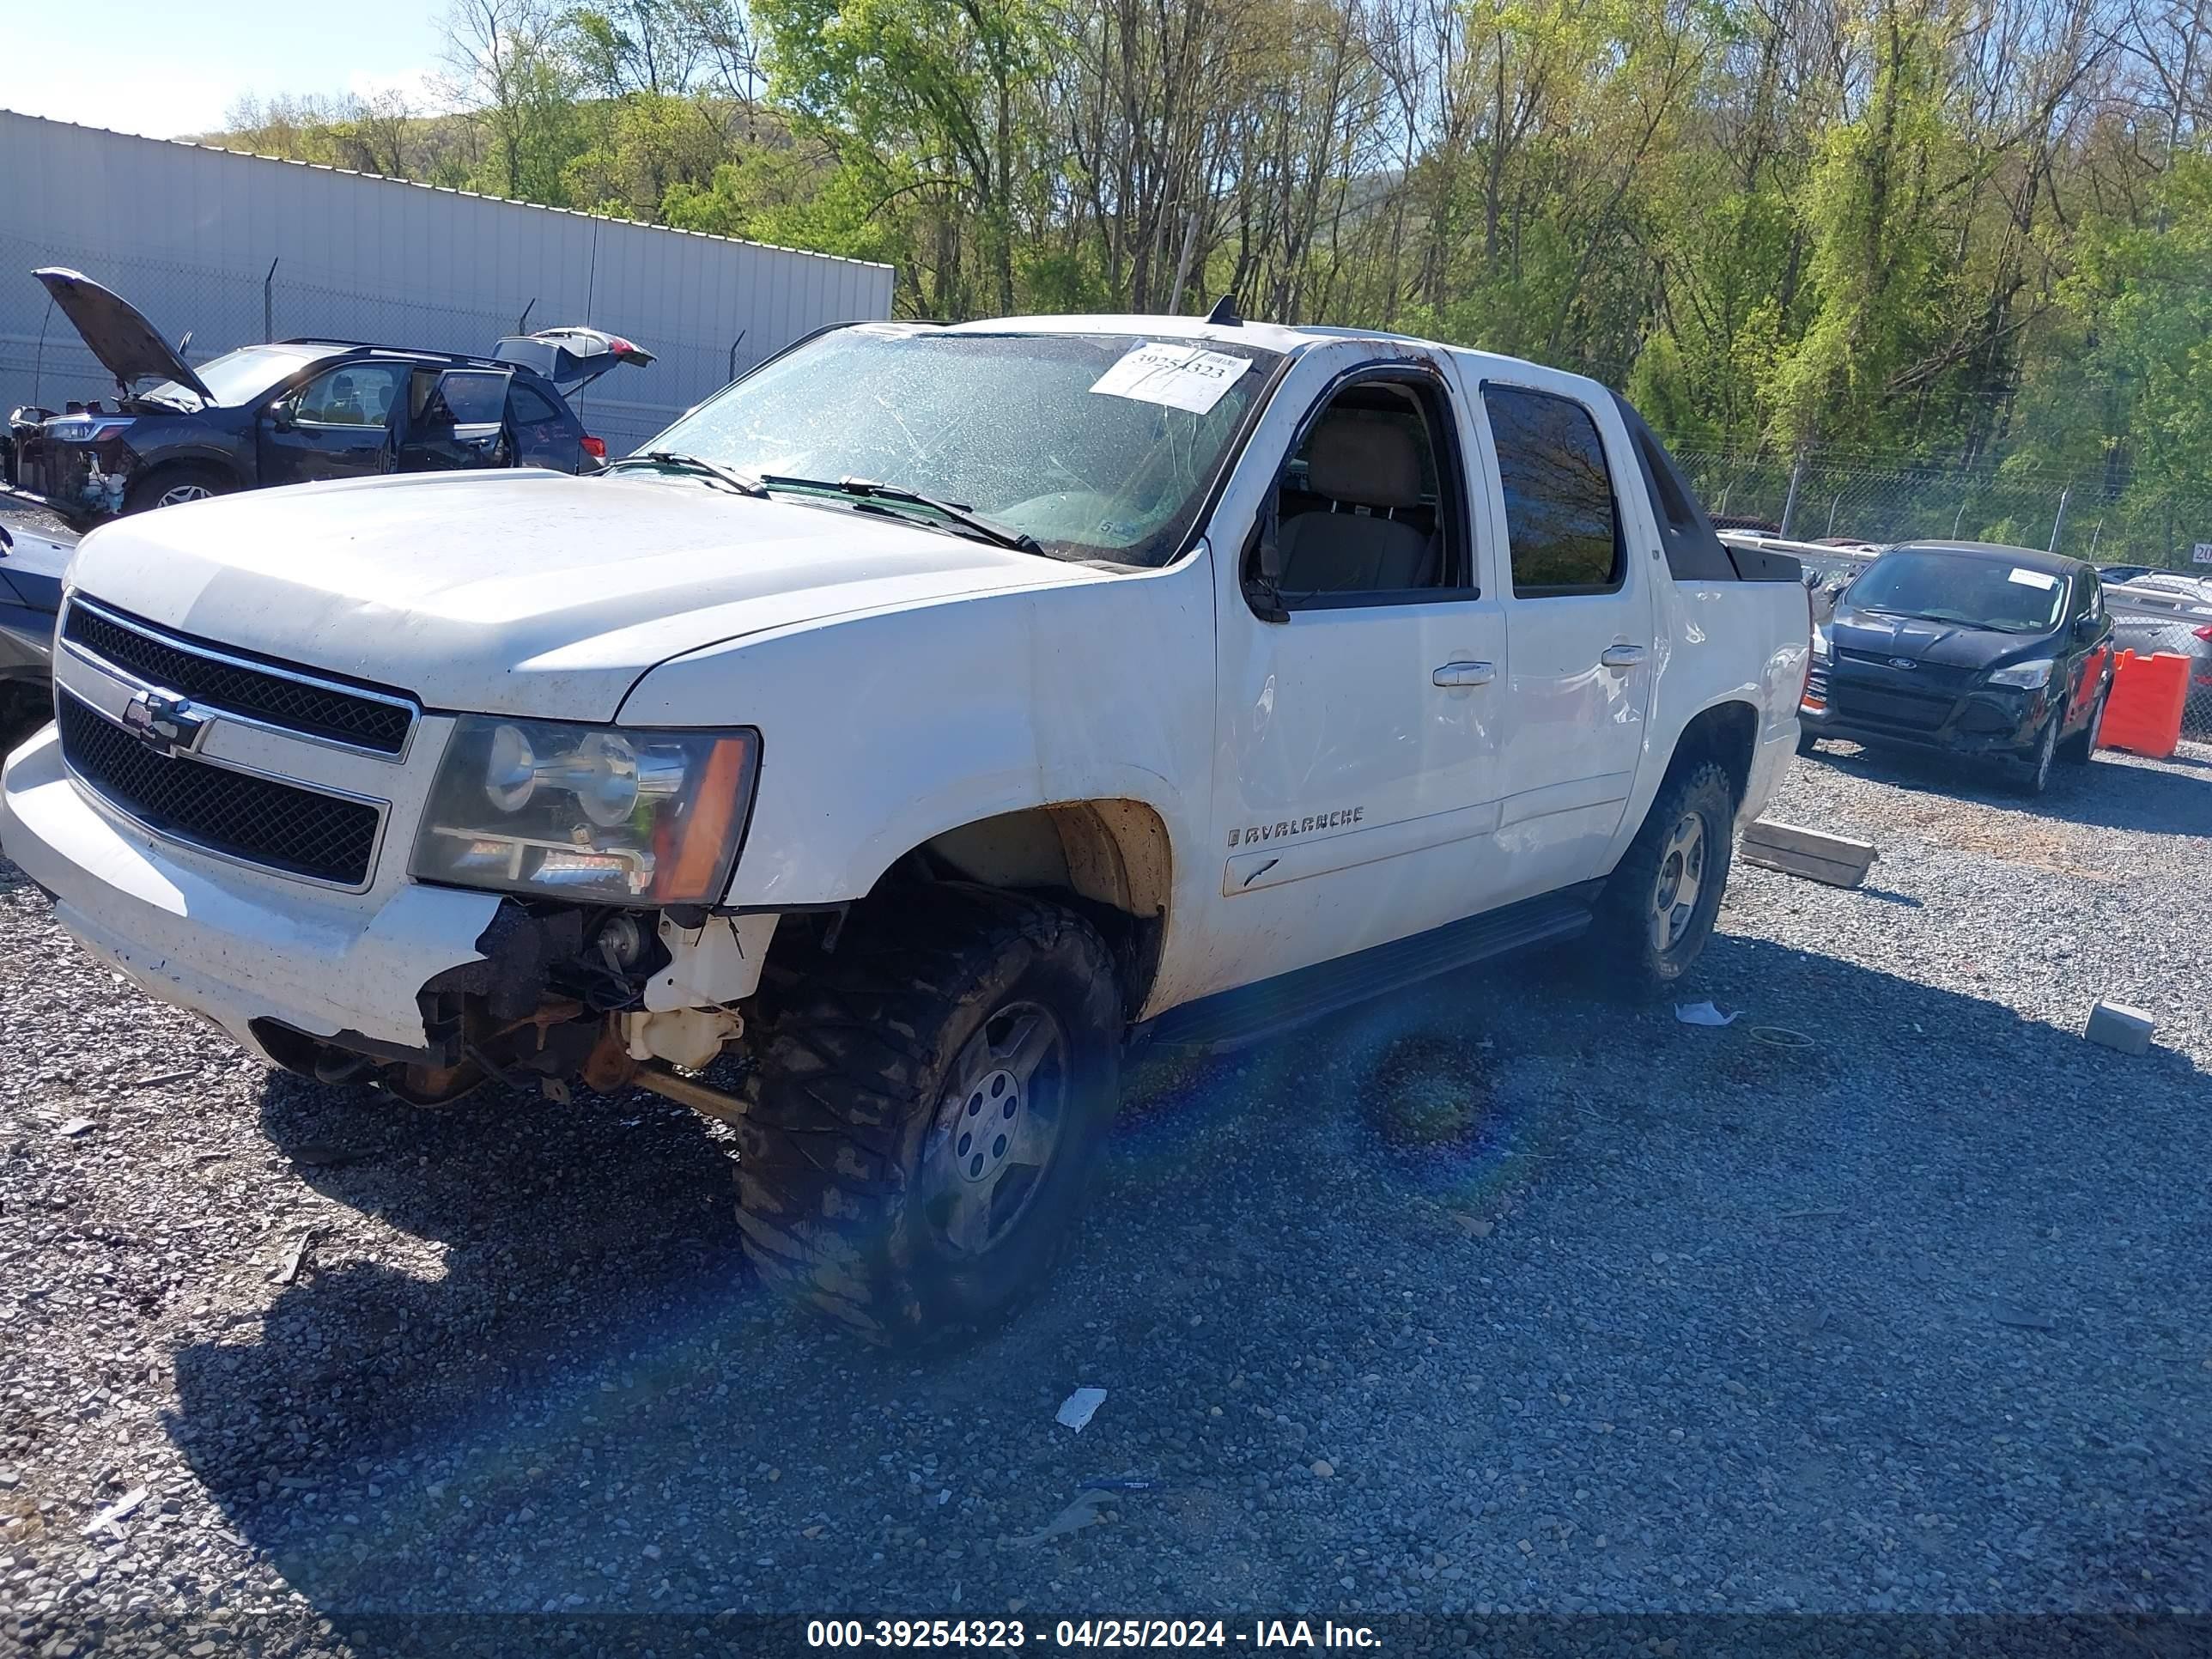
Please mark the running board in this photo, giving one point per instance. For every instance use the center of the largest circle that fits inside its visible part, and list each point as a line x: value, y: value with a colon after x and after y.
x: 1251, y: 1013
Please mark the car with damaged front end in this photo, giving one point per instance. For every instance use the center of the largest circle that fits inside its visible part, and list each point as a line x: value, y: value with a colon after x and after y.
x: 925, y: 719
x: 2000, y: 653
x: 292, y: 411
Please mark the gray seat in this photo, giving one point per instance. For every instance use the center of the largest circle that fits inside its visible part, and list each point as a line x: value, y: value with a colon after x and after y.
x: 1359, y: 460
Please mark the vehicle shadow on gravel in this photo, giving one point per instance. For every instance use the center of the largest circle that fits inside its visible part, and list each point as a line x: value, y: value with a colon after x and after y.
x: 1321, y: 1334
x: 2106, y: 795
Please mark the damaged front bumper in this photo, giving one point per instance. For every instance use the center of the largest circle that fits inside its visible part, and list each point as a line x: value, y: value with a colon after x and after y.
x: 1921, y: 708
x: 236, y: 947
x: 1993, y: 731
x: 83, y: 482
x: 429, y: 990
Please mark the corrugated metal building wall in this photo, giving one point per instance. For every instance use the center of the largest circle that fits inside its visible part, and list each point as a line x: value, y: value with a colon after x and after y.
x: 188, y: 234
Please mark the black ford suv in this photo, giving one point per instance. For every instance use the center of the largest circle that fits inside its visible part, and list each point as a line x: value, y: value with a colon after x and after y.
x: 1968, y: 646
x: 294, y: 410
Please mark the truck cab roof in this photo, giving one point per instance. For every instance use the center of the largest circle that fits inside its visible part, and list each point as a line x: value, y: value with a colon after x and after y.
x: 1270, y: 336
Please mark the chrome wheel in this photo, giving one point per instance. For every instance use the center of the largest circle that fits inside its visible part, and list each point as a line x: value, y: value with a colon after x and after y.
x: 1682, y: 878
x: 997, y: 1127
x: 183, y: 492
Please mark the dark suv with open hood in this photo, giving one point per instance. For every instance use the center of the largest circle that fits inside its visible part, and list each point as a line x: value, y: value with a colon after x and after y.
x: 1968, y: 646
x: 294, y: 410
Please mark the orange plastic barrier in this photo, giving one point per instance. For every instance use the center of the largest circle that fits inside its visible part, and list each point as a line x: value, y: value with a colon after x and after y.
x: 2143, y: 714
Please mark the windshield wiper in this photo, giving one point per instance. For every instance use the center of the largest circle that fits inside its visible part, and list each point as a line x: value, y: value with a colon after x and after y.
x: 743, y: 482
x: 867, y: 489
x: 1910, y: 616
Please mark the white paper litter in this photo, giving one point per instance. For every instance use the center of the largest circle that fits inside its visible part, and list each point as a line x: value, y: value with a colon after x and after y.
x: 1076, y: 1410
x: 2042, y: 579
x: 1175, y: 376
x: 1704, y: 1013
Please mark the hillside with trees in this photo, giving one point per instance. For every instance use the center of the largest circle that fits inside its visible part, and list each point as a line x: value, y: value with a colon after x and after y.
x: 1970, y: 234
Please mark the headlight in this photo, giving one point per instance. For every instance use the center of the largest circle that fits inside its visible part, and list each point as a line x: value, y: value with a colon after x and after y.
x: 588, y: 812
x: 1819, y: 642
x: 86, y: 428
x: 2030, y: 675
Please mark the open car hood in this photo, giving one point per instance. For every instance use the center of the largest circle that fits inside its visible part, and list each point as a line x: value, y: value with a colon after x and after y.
x: 571, y: 358
x: 117, y: 332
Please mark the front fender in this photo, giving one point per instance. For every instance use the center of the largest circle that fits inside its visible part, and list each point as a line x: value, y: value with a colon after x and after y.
x: 879, y: 731
x: 194, y: 450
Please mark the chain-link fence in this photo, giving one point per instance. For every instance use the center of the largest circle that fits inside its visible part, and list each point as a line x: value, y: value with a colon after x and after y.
x: 220, y: 309
x: 2183, y: 630
x: 1823, y: 493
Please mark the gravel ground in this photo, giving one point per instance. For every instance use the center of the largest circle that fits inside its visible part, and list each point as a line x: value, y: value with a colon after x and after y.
x: 1498, y: 1297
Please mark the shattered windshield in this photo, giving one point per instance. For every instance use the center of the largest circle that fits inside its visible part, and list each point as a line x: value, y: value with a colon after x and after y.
x: 1097, y: 446
x: 1972, y: 591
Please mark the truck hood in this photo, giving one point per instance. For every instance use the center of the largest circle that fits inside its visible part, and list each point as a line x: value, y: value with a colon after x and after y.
x: 521, y: 592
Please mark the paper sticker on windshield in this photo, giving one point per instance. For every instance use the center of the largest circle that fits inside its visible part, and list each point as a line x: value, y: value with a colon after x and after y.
x: 2034, y: 579
x: 1175, y: 376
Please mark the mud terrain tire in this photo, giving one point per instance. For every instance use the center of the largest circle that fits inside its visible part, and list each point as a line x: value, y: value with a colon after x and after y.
x: 892, y: 1092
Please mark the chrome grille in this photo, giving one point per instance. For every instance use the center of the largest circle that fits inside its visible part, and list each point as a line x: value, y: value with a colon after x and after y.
x: 363, y: 717
x: 260, y: 820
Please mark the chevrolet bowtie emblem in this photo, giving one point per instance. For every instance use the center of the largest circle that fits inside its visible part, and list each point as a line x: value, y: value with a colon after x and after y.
x: 163, y: 723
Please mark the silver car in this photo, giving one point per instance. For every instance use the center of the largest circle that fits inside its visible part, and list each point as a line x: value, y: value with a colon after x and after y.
x: 2172, y: 614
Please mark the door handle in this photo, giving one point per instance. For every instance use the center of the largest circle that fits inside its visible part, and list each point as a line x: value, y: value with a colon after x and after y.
x: 1465, y: 673
x: 1621, y: 656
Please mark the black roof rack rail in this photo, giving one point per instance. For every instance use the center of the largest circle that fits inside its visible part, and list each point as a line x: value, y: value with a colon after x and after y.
x: 465, y: 359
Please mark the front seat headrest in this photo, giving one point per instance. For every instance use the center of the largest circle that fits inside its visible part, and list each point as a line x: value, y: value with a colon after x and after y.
x: 1367, y: 459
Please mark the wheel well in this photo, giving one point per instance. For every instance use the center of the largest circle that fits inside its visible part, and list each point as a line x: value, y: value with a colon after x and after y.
x: 1727, y: 732
x: 1110, y: 860
x: 215, y: 464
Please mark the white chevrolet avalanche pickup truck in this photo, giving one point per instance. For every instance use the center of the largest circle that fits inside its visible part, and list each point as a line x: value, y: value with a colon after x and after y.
x: 923, y: 719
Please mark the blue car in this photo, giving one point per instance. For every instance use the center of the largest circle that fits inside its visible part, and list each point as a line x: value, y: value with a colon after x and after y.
x: 31, y: 566
x: 292, y: 410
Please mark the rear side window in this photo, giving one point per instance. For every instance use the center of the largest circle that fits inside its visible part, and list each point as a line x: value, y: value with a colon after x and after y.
x: 1561, y: 523
x: 529, y: 408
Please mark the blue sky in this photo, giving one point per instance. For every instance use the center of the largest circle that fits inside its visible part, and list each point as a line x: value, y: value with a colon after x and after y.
x: 166, y: 67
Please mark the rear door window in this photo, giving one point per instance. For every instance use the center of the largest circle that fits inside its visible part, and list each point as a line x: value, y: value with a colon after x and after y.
x: 1563, y: 524
x: 473, y: 398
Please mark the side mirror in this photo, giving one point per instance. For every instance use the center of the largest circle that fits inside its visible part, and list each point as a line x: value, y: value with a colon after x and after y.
x: 1263, y: 571
x: 284, y: 414
x: 2087, y: 627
